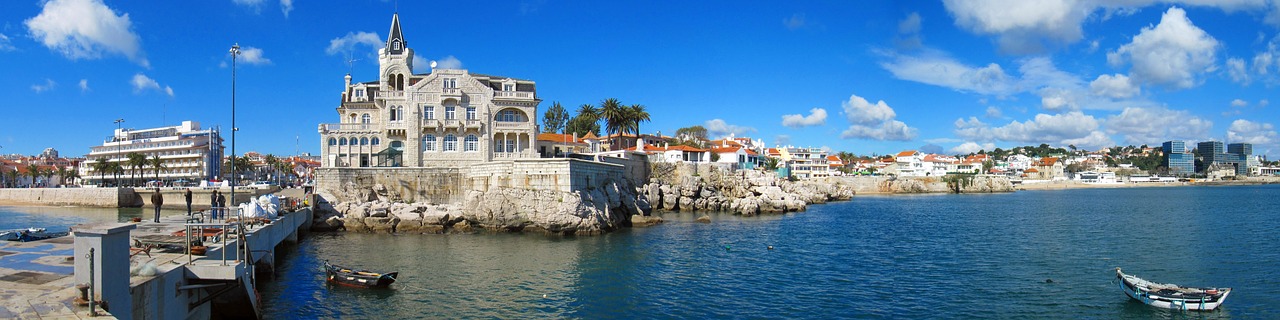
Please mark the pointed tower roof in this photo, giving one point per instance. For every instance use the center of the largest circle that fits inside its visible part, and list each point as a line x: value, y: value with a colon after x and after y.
x: 395, y: 40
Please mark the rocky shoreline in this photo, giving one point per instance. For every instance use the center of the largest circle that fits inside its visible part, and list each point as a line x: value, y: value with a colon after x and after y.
x: 688, y: 187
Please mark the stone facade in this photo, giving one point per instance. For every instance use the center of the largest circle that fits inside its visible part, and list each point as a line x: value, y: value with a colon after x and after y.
x: 444, y: 118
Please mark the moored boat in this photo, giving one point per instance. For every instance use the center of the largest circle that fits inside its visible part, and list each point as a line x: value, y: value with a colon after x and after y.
x: 29, y: 234
x: 1171, y: 296
x: 357, y: 278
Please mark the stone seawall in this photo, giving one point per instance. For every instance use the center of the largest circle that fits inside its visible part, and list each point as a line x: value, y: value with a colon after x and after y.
x: 907, y: 185
x: 87, y: 197
x: 562, y: 196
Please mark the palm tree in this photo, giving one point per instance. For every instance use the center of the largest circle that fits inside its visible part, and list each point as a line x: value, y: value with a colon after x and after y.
x: 32, y: 171
x: 3, y: 177
x: 137, y: 161
x: 272, y: 162
x: 637, y: 114
x: 157, y: 164
x: 614, y: 115
x: 101, y: 166
x: 48, y: 176
x: 62, y: 174
x: 589, y: 111
x: 117, y: 168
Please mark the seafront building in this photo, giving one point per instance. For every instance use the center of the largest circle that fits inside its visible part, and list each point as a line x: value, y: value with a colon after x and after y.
x: 446, y: 117
x: 190, y: 154
x: 1176, y: 157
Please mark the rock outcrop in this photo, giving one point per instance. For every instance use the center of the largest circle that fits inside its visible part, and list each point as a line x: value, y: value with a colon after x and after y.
x: 587, y: 212
x: 687, y: 187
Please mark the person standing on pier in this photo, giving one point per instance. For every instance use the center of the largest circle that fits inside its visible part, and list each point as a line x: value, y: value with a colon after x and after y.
x: 187, y: 195
x: 213, y: 205
x: 157, y: 200
x: 222, y: 205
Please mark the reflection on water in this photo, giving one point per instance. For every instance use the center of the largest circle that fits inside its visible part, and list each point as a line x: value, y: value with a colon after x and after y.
x: 61, y: 218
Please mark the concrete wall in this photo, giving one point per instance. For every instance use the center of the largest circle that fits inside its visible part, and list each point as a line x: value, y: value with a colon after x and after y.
x: 88, y: 197
x: 200, y: 197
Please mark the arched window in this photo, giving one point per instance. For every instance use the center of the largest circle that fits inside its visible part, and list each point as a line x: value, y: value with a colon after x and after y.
x: 470, y: 143
x: 510, y: 115
x: 429, y: 142
x: 375, y: 141
x: 364, y: 141
x: 450, y: 143
x: 365, y: 119
x: 342, y: 142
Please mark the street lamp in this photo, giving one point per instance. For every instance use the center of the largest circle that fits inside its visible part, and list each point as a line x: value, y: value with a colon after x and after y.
x: 119, y: 143
x: 235, y: 51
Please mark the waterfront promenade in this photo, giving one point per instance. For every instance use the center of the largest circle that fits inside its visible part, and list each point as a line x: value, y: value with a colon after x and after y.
x: 38, y: 279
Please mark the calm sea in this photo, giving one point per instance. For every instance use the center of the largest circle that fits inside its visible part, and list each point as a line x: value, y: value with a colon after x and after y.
x: 928, y: 256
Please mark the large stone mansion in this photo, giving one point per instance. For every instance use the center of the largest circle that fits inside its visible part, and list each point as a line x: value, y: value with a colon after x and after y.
x: 445, y: 118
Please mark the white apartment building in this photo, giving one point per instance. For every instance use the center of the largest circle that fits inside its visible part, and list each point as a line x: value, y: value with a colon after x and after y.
x: 188, y: 152
x: 445, y: 118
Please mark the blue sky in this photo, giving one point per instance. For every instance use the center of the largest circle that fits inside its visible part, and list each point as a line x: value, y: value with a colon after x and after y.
x: 869, y: 77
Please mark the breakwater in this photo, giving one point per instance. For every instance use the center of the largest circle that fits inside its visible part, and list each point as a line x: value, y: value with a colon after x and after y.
x: 88, y: 197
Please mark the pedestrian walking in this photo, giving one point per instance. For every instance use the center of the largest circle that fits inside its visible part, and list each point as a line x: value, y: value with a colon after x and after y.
x: 157, y: 199
x: 222, y: 203
x: 187, y: 195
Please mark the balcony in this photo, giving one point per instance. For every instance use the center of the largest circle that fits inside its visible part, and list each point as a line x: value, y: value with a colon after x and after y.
x: 391, y: 94
x: 511, y: 125
x: 331, y: 127
x: 512, y: 95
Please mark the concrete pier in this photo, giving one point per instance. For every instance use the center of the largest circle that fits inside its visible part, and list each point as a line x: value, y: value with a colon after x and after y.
x: 39, y: 279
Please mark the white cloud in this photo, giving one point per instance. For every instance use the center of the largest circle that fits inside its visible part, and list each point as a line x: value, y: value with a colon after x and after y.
x: 348, y: 44
x: 971, y: 147
x: 1258, y: 133
x: 1058, y: 129
x: 286, y: 6
x: 782, y: 140
x: 420, y: 64
x: 85, y: 29
x: 143, y: 83
x: 1239, y: 103
x: 1117, y: 86
x: 717, y: 128
x: 1022, y: 26
x: 874, y: 121
x: 794, y: 22
x: 1237, y: 70
x: 255, y: 5
x: 449, y: 62
x: 1157, y: 124
x: 84, y: 85
x: 1171, y: 54
x: 993, y: 112
x: 1263, y: 103
x: 47, y: 86
x: 937, y: 69
x: 5, y: 44
x: 253, y: 56
x: 909, y: 32
x: 816, y: 117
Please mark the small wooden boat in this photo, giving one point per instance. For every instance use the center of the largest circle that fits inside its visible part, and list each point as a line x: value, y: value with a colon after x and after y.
x: 1171, y: 296
x: 357, y: 278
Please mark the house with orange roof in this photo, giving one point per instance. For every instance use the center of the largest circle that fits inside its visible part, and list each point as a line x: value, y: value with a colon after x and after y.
x: 553, y: 145
x: 739, y: 156
x: 910, y: 164
x: 1048, y: 168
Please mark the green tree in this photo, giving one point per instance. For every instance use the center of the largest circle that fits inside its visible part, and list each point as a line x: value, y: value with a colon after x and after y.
x: 987, y: 165
x: 4, y: 178
x: 33, y: 172
x: 555, y: 119
x: 48, y: 176
x: 637, y: 114
x: 156, y: 164
x: 271, y: 161
x: 695, y: 132
x: 136, y: 161
x: 101, y: 166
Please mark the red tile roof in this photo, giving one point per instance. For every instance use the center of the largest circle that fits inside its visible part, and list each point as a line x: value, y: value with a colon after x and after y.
x: 907, y: 153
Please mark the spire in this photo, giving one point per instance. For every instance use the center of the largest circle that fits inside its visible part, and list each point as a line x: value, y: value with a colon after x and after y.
x: 395, y: 41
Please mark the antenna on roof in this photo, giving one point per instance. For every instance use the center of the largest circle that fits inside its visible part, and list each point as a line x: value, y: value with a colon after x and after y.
x: 351, y: 63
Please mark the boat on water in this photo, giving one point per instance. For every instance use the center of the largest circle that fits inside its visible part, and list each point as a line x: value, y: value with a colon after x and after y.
x: 30, y: 234
x: 1171, y: 296
x: 357, y: 278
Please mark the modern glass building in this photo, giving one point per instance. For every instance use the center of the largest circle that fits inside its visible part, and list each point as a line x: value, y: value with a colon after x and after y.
x: 1177, y: 159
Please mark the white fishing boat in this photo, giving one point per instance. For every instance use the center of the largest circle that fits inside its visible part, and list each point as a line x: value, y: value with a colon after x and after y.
x: 1171, y: 296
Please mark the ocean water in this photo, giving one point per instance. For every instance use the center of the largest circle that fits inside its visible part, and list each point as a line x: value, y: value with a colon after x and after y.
x: 925, y: 256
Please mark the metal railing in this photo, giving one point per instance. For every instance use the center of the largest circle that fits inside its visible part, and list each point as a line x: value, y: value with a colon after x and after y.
x: 220, y: 219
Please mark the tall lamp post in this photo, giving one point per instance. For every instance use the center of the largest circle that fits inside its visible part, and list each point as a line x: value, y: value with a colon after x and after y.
x: 235, y: 51
x: 119, y: 142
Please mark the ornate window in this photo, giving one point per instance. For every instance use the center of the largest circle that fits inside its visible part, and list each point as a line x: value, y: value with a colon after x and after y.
x: 333, y: 141
x: 428, y: 112
x: 364, y: 141
x: 471, y: 113
x: 375, y: 141
x: 449, y: 113
x: 470, y: 143
x: 497, y: 145
x: 429, y: 142
x: 450, y: 143
x: 342, y: 142
x: 511, y: 145
x: 397, y: 113
x: 510, y: 115
x: 365, y: 119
